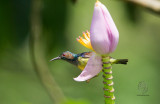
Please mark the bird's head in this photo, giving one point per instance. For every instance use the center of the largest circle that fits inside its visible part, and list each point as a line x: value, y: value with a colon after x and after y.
x: 65, y: 56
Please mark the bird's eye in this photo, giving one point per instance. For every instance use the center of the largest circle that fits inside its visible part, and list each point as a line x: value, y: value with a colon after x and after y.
x: 63, y: 54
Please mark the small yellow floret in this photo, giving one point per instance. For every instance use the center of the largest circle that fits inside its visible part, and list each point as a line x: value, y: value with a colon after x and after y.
x: 85, y: 40
x: 97, y: 3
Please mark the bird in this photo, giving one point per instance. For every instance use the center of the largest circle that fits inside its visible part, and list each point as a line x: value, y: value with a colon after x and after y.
x: 80, y: 60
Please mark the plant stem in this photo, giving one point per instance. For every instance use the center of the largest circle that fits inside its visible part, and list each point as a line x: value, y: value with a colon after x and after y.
x: 107, y: 81
x: 38, y: 57
x: 152, y: 5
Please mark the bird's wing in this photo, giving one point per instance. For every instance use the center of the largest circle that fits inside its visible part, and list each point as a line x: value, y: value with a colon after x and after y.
x: 86, y: 54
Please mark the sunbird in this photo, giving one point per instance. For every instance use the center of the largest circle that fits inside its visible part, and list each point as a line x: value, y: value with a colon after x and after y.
x: 80, y: 60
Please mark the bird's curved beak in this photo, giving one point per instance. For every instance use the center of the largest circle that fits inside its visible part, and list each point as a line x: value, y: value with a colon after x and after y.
x: 56, y: 58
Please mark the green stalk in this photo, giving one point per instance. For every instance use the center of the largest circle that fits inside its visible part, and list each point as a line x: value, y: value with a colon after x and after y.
x: 107, y: 81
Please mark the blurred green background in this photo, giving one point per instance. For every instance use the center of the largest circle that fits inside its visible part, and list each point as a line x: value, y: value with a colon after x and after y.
x: 62, y: 22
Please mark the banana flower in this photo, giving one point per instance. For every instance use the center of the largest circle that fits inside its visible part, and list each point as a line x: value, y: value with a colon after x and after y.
x: 102, y: 39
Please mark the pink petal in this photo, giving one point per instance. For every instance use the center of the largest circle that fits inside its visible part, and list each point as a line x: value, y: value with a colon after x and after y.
x: 113, y: 31
x: 92, y: 68
x: 104, y: 34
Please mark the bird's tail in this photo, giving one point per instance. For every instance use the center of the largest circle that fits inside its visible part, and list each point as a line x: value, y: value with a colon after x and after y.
x: 121, y: 61
x: 118, y: 61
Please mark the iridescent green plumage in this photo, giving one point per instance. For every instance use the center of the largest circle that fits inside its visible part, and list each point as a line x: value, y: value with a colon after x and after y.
x: 80, y: 60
